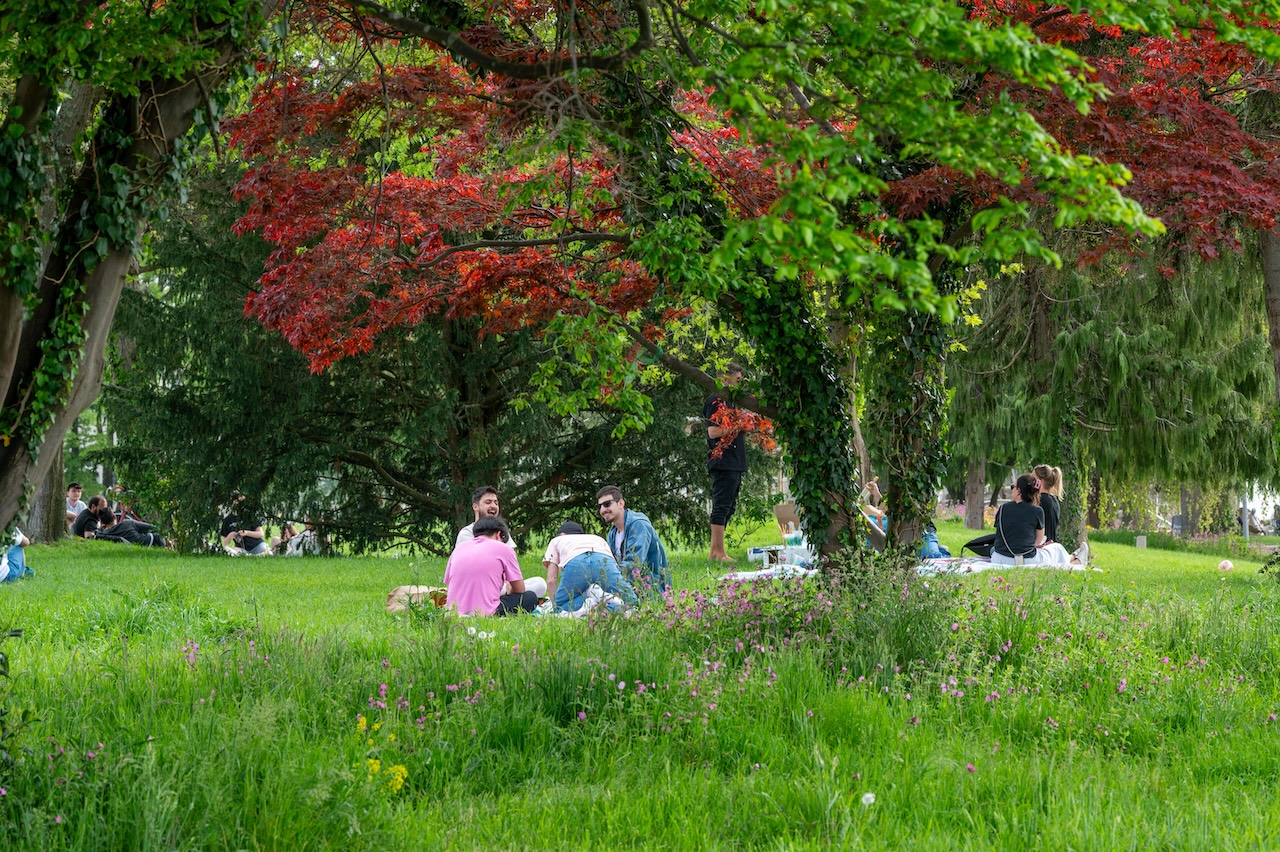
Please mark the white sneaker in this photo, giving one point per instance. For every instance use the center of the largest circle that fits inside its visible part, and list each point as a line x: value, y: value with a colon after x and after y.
x: 1082, y: 553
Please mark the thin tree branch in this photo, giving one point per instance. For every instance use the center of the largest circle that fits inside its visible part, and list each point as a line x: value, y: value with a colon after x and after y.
x: 456, y: 44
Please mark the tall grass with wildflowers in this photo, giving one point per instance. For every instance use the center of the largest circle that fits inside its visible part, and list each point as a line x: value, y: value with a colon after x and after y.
x: 213, y: 703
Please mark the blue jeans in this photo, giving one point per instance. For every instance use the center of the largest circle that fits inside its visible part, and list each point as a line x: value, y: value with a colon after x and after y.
x: 17, y: 563
x: 581, y: 571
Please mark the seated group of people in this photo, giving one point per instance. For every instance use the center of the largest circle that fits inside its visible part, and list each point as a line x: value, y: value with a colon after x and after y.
x: 1027, y: 527
x: 97, y: 520
x: 244, y: 536
x: 483, y: 576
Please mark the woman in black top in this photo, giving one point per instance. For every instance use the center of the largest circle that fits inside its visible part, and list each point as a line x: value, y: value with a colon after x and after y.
x: 1020, y: 530
x: 1050, y: 498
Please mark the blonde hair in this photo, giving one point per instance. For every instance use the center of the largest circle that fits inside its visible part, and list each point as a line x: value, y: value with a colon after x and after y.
x: 1050, y: 479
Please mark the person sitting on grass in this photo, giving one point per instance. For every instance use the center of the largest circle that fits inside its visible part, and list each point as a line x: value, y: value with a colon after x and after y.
x: 634, y: 543
x: 86, y: 523
x: 1020, y: 530
x: 242, y: 536
x: 479, y: 569
x: 575, y: 561
x: 13, y: 560
x: 111, y: 528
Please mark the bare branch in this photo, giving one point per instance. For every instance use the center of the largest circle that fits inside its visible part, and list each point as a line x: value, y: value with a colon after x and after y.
x: 577, y: 237
x: 456, y: 44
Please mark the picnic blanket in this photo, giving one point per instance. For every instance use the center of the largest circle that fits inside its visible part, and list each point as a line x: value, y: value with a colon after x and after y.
x: 946, y: 566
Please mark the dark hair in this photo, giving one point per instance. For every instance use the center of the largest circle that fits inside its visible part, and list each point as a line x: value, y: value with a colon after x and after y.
x: 75, y: 485
x: 610, y: 491
x: 481, y: 491
x: 1029, y: 487
x: 733, y: 369
x: 97, y: 500
x: 489, y: 526
x: 105, y: 516
x: 570, y: 528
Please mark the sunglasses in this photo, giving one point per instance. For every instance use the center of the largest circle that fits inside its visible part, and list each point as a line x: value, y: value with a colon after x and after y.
x: 605, y: 504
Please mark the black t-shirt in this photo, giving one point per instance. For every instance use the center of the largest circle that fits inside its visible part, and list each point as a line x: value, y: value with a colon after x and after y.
x: 1016, y: 525
x: 1052, y: 510
x: 232, y: 524
x: 735, y: 455
x: 85, y: 522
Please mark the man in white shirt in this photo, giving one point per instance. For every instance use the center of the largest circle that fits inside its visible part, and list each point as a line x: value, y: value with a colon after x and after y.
x: 484, y: 503
x: 74, y: 504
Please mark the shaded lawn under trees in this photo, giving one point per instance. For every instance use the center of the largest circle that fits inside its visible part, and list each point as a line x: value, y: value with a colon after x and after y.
x: 223, y: 703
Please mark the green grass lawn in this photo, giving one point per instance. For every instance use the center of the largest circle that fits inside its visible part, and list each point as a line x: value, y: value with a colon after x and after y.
x: 176, y: 702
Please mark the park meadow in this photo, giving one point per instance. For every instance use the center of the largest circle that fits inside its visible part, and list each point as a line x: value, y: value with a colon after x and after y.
x: 160, y: 701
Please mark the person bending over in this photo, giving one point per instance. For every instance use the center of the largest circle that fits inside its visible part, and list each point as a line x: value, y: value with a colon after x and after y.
x: 478, y: 569
x: 86, y: 523
x: 127, y: 530
x: 575, y: 561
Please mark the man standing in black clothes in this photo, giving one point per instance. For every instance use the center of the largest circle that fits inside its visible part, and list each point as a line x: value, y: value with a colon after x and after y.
x: 726, y: 468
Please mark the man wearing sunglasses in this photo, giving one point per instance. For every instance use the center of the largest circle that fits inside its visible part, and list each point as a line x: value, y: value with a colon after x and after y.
x: 634, y: 542
x: 478, y: 570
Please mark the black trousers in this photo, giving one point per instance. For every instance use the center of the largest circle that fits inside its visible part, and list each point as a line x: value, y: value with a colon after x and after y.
x: 524, y: 601
x: 725, y: 485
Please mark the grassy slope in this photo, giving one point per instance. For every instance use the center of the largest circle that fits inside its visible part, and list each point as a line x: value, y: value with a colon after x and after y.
x: 1094, y: 740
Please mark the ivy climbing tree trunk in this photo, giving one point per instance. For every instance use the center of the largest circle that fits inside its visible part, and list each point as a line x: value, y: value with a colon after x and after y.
x: 910, y: 399
x: 809, y: 401
x: 57, y: 305
x: 1071, y: 522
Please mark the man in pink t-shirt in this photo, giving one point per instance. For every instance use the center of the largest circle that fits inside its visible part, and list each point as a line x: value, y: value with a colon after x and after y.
x: 479, y: 567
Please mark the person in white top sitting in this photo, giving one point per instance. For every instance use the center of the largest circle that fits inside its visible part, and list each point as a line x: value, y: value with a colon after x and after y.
x: 575, y: 561
x: 484, y: 503
x: 74, y: 504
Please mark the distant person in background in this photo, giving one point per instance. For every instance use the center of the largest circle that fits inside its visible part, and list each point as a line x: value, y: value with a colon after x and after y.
x: 86, y: 523
x: 127, y: 530
x: 242, y: 535
x: 726, y: 468
x: 484, y: 504
x: 306, y: 543
x: 1050, y: 498
x: 74, y: 504
x: 480, y: 568
x: 13, y: 560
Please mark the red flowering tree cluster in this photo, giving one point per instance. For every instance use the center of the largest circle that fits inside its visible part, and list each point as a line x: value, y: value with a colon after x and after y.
x: 596, y: 172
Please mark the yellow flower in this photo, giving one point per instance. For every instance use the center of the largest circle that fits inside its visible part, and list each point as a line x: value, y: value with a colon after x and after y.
x: 375, y: 766
x: 361, y: 723
x: 395, y: 777
x: 377, y: 725
x: 391, y: 738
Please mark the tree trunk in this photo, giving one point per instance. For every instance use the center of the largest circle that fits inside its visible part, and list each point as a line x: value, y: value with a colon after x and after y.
x: 975, y: 489
x: 1093, y: 513
x: 1269, y: 244
x: 47, y: 522
x: 810, y: 418
x: 77, y: 289
x: 1072, y: 531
